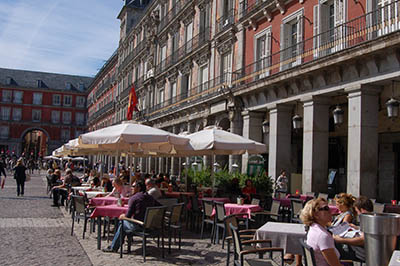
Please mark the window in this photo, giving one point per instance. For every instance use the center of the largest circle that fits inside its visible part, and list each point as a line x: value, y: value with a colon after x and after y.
x: 291, y: 40
x: 80, y: 101
x: 80, y: 118
x: 36, y: 115
x: 66, y: 117
x: 328, y: 17
x: 173, y: 92
x: 78, y: 133
x: 262, y: 53
x: 161, y: 96
x: 203, y: 77
x: 56, y: 99
x: 185, y: 84
x: 6, y: 96
x: 5, y: 113
x: 188, y: 37
x: 163, y: 55
x: 226, y: 69
x: 55, y: 117
x: 18, y: 95
x: 17, y: 114
x: 151, y: 100
x: 67, y: 100
x: 4, y: 132
x: 64, y: 134
x: 37, y: 98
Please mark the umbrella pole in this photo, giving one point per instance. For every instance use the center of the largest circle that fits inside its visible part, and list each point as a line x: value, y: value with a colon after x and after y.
x: 186, y: 173
x: 212, y: 173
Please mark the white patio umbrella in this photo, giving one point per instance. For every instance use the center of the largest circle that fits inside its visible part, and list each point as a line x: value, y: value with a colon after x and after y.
x: 132, y: 137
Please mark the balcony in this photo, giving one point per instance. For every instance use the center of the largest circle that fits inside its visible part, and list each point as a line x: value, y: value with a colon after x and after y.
x: 253, y: 9
x: 106, y: 84
x: 172, y: 14
x: 196, y: 95
x: 185, y: 50
x: 131, y: 56
x: 226, y: 21
x: 348, y: 35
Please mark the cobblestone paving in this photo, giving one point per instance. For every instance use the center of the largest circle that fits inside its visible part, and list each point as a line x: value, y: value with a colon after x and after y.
x: 32, y: 232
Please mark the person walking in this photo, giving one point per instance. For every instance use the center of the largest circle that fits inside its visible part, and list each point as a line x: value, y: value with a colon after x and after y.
x: 2, y: 171
x: 281, y: 184
x: 20, y: 176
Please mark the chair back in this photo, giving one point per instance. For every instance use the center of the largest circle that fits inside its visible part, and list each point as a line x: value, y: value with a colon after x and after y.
x: 207, y: 207
x: 195, y: 204
x: 373, y: 200
x: 220, y: 211
x: 275, y: 207
x: 78, y: 203
x: 175, y: 215
x: 168, y: 202
x: 323, y: 196
x: 154, y: 217
x: 255, y: 201
x: 297, y: 206
x: 282, y: 195
x: 237, y: 244
x: 379, y: 207
x: 230, y: 220
x: 310, y: 194
x: 308, y: 253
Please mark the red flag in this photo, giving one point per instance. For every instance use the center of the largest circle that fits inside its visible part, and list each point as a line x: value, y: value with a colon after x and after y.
x: 132, y: 103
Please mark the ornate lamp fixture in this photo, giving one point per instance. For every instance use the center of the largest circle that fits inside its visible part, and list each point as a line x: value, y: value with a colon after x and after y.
x: 392, y: 105
x: 297, y: 119
x: 265, y: 127
x: 338, y: 115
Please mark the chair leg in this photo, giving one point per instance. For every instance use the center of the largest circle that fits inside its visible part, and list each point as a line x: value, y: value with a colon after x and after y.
x: 228, y: 252
x: 169, y: 240
x: 202, y: 229
x: 72, y: 227
x: 121, y: 240
x: 212, y: 233
x: 144, y: 249
x: 180, y: 238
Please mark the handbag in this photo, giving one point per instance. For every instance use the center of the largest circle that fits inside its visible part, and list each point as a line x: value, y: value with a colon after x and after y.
x: 27, y: 177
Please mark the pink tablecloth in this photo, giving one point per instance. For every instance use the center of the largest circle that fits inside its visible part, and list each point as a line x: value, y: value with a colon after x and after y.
x: 109, y: 211
x: 178, y: 194
x: 232, y: 208
x: 103, y: 201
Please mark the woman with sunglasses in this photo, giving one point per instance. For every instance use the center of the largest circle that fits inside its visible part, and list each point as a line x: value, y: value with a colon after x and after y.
x: 317, y: 216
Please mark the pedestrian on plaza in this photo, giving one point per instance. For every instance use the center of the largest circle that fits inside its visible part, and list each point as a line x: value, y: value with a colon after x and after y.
x: 282, y: 181
x: 20, y: 176
x: 137, y: 206
x: 2, y: 171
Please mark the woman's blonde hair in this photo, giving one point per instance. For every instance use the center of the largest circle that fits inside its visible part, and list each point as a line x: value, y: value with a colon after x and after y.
x: 309, y: 210
x: 345, y: 199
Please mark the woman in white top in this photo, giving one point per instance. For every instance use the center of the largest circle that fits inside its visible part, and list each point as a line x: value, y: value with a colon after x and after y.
x: 344, y: 202
x: 317, y: 216
x: 119, y: 189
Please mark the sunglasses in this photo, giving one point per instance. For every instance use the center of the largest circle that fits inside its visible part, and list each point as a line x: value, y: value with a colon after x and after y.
x: 325, y: 208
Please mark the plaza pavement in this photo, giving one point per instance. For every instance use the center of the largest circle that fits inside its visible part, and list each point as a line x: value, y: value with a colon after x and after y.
x: 33, y: 233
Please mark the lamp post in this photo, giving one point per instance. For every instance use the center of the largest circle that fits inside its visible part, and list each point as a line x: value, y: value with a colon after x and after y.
x: 265, y: 127
x: 297, y: 121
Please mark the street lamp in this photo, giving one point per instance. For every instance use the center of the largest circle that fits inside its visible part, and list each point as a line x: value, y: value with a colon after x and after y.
x: 265, y: 127
x: 338, y: 114
x: 297, y: 119
x: 392, y: 105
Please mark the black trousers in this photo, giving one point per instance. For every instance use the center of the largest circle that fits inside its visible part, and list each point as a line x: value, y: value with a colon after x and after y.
x: 20, y: 186
x: 57, y: 192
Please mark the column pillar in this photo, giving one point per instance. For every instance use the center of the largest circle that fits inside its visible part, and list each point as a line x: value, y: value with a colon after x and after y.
x: 236, y: 127
x: 362, y: 156
x: 315, y: 144
x: 280, y: 119
x: 252, y: 129
x: 175, y: 160
x: 143, y: 164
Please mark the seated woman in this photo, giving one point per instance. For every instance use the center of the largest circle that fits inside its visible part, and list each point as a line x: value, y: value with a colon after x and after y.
x: 317, y: 216
x: 248, y: 190
x: 344, y: 202
x: 56, y: 178
x: 106, y: 183
x: 119, y: 189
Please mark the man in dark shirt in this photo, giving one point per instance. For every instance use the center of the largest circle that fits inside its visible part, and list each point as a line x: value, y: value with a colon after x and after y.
x: 137, y: 206
x: 70, y: 180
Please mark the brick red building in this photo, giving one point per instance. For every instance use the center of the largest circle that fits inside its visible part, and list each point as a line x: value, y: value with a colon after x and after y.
x: 40, y: 111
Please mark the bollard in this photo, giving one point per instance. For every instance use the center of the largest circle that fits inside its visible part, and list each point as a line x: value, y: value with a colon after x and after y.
x: 380, y: 233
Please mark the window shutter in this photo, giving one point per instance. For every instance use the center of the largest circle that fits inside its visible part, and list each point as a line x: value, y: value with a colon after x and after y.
x: 268, y: 50
x: 285, y: 29
x: 323, y: 28
x: 316, y: 30
x: 300, y: 29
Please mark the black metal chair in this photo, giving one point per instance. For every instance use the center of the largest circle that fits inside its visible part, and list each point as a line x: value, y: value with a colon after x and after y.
x: 240, y: 253
x: 79, y: 211
x: 152, y: 226
x: 174, y: 224
x: 207, y: 217
x: 296, y: 206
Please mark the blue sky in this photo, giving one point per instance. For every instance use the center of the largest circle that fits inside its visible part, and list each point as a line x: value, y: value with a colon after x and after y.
x: 58, y: 36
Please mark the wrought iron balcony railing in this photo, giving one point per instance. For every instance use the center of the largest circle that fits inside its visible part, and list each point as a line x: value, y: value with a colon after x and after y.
x: 226, y: 21
x: 172, y: 14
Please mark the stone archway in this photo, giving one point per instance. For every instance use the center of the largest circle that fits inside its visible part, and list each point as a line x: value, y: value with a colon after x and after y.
x: 34, y: 142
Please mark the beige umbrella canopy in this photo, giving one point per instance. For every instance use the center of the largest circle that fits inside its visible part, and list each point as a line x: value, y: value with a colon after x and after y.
x: 132, y: 138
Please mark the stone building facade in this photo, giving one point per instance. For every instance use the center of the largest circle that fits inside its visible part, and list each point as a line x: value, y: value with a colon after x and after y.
x: 52, y: 105
x: 245, y: 65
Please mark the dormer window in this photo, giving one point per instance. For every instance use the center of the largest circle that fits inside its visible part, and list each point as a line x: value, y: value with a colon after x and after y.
x: 39, y: 83
x: 81, y: 86
x: 68, y: 86
x: 9, y: 81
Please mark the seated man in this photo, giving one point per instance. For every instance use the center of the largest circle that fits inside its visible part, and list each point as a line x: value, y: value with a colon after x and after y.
x: 69, y: 180
x: 353, y: 248
x: 137, y: 206
x: 152, y: 189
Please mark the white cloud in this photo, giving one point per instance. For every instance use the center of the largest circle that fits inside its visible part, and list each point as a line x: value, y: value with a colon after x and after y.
x: 60, y: 36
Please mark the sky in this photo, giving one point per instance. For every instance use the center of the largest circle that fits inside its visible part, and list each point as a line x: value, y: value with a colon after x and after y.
x: 58, y: 36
